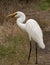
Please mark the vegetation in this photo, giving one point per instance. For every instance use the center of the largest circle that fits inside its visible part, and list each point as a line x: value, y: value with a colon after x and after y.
x: 13, y: 42
x: 14, y: 50
x: 43, y: 5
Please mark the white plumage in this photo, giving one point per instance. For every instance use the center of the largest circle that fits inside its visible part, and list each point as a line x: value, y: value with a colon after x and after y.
x: 31, y: 27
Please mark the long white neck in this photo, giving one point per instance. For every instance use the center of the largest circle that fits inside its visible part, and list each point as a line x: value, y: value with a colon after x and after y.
x: 20, y: 21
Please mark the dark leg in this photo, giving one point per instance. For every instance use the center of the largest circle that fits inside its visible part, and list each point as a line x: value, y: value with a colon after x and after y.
x: 36, y: 54
x: 29, y: 52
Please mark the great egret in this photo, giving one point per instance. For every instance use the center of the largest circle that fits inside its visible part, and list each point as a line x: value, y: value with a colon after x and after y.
x: 32, y: 28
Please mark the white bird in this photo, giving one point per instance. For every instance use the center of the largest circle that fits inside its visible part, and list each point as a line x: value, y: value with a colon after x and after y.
x: 31, y: 27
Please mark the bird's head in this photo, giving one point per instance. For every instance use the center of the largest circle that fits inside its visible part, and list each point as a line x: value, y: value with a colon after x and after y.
x: 16, y: 14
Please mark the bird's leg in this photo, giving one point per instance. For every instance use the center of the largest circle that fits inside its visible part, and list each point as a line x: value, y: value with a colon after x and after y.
x: 29, y: 52
x: 36, y: 53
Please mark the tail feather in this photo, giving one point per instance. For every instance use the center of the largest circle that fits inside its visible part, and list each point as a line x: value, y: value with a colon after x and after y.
x: 41, y: 45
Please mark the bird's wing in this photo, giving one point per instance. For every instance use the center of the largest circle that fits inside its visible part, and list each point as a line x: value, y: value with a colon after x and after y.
x: 35, y: 32
x: 34, y: 29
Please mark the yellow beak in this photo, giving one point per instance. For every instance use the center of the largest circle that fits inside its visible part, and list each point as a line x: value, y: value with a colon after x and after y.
x: 12, y: 15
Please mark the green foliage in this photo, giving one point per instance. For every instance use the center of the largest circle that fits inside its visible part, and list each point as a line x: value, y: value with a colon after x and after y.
x: 43, y: 6
x: 48, y: 1
x: 14, y: 49
x: 6, y: 52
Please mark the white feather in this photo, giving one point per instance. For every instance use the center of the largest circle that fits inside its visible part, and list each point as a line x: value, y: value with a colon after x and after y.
x: 32, y: 28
